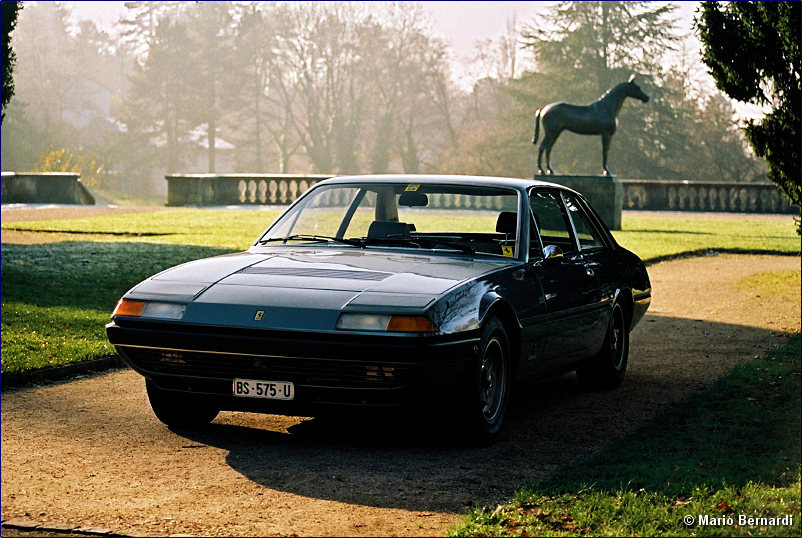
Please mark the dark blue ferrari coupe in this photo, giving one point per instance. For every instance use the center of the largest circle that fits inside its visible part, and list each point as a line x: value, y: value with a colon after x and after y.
x: 387, y: 291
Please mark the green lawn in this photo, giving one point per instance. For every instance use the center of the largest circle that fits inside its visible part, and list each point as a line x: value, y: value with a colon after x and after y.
x: 56, y: 297
x: 660, y: 237
x: 232, y: 229
x: 732, y: 450
x: 649, y: 237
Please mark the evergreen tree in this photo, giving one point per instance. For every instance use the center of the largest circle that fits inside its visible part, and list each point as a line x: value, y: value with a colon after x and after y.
x: 158, y: 109
x: 9, y: 20
x: 211, y: 28
x: 752, y: 50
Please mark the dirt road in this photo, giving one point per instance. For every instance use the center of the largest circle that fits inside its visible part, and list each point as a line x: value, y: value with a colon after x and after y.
x: 90, y: 451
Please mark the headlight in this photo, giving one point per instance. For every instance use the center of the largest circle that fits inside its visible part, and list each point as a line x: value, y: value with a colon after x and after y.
x: 149, y: 309
x: 386, y: 323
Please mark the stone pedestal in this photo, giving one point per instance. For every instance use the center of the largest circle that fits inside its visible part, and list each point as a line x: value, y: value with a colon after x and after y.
x: 190, y: 189
x: 605, y: 194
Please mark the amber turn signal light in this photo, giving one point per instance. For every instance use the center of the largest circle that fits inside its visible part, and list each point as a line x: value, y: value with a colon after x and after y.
x: 127, y: 307
x: 411, y: 324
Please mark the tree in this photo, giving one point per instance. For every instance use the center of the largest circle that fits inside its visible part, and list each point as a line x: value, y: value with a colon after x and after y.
x: 9, y: 14
x: 752, y: 50
x: 321, y: 71
x: 49, y: 73
x: 596, y: 43
x: 138, y: 25
x: 158, y: 108
x: 66, y: 77
x: 210, y: 28
x: 414, y: 118
x: 253, y: 51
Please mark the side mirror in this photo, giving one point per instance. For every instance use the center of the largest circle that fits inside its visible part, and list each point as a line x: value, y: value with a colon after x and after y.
x: 552, y: 254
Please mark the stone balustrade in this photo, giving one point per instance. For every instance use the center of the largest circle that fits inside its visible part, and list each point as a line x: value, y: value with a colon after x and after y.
x: 650, y: 195
x: 237, y: 189
x: 662, y: 195
x: 44, y: 188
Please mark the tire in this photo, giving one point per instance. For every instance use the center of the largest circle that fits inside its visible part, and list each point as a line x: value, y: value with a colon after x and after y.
x: 178, y: 409
x: 488, y: 390
x: 607, y: 368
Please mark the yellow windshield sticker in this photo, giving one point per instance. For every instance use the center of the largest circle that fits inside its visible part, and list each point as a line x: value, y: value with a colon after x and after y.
x: 507, y: 251
x: 412, y: 187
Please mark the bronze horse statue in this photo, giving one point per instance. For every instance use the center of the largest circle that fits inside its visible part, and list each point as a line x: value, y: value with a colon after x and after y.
x: 599, y: 117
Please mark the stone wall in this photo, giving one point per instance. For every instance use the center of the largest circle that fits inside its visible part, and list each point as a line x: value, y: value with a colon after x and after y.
x: 44, y: 188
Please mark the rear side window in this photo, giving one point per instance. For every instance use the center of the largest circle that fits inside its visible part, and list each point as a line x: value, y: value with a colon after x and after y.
x: 586, y: 233
x: 551, y: 219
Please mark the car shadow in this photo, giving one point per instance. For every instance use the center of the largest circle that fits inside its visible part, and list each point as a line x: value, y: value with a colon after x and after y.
x: 423, y: 463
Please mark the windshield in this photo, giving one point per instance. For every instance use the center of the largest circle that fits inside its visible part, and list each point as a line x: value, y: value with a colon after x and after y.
x: 462, y: 218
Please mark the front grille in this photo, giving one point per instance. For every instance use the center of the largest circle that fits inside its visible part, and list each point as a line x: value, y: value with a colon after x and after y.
x: 301, y: 371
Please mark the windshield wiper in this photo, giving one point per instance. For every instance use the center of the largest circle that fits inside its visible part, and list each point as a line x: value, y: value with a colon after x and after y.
x: 415, y: 242
x: 318, y: 238
x: 456, y: 246
x: 393, y: 239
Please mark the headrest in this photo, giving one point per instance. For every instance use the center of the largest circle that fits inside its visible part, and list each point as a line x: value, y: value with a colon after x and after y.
x: 507, y: 222
x: 386, y: 228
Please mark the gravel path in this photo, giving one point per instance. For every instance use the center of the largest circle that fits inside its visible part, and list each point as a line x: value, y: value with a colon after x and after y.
x: 90, y: 452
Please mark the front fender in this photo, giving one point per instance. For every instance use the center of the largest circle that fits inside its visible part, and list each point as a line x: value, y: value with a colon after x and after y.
x: 458, y: 311
x: 493, y: 301
x: 466, y: 308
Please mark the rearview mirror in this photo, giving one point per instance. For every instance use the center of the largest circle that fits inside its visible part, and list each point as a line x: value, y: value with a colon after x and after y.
x: 413, y: 199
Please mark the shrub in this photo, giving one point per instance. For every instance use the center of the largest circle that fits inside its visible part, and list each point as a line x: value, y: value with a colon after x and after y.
x: 59, y: 160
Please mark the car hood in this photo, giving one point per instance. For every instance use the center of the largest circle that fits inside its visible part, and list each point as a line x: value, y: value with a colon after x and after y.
x: 307, y: 288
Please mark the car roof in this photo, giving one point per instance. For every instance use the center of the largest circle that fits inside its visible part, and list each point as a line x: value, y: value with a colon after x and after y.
x: 489, y: 181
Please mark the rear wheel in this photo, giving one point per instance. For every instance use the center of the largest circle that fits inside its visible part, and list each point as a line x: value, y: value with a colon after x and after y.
x: 606, y: 370
x: 489, y: 387
x: 179, y: 409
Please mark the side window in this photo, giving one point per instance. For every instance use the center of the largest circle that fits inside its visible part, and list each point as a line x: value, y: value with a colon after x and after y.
x: 552, y: 220
x: 586, y: 234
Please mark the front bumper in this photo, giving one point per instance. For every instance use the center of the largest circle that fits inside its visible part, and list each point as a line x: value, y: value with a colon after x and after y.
x: 326, y: 369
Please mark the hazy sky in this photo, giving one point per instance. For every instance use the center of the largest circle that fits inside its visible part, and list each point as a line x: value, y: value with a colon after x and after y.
x: 461, y: 24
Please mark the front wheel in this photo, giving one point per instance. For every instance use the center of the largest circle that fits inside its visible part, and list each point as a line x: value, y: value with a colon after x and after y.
x: 178, y: 409
x: 607, y: 368
x: 489, y: 386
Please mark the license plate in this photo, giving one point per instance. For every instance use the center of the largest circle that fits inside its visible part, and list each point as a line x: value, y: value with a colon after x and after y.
x: 272, y: 390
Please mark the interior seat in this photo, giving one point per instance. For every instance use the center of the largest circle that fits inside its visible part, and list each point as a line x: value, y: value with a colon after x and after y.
x: 507, y: 223
x: 382, y: 229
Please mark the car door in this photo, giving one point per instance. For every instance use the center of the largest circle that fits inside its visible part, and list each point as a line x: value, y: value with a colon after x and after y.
x: 595, y: 254
x: 569, y: 282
